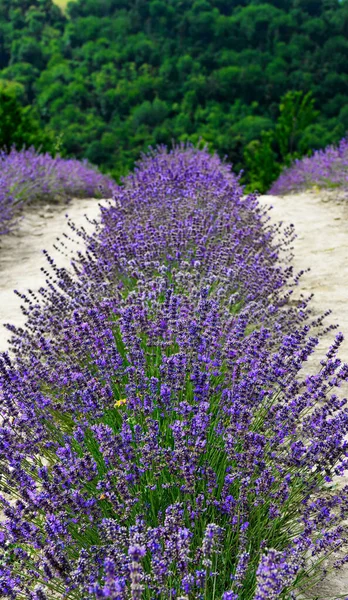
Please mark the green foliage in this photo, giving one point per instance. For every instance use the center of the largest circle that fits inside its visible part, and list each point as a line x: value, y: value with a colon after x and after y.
x: 20, y: 126
x: 293, y: 135
x: 115, y: 76
x: 261, y: 162
x: 297, y: 112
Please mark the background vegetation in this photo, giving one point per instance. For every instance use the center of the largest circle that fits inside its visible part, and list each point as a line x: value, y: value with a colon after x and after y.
x: 261, y: 82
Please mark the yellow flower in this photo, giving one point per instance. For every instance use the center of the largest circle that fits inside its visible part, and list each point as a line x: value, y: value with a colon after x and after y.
x: 120, y: 402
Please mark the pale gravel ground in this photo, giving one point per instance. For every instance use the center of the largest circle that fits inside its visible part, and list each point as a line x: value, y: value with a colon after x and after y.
x: 321, y: 223
x: 21, y: 254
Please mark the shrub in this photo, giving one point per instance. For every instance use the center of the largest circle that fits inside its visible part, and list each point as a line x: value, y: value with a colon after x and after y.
x: 327, y: 169
x: 157, y: 440
x: 27, y: 176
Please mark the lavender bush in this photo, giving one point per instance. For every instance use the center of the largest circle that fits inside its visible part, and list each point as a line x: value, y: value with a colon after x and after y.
x: 158, y: 440
x: 325, y: 168
x: 27, y: 176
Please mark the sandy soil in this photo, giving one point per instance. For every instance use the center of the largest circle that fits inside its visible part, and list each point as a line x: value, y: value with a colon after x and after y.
x: 322, y: 244
x: 321, y: 224
x: 21, y: 254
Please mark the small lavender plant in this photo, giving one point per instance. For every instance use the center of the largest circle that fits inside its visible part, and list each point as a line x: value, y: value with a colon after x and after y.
x: 327, y: 169
x: 157, y: 440
x: 27, y: 176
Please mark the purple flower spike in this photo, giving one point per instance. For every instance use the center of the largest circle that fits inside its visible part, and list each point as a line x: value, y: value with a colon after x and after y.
x: 136, y: 553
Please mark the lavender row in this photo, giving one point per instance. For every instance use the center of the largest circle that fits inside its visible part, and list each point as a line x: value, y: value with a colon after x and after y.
x: 27, y: 176
x: 327, y: 169
x: 158, y: 439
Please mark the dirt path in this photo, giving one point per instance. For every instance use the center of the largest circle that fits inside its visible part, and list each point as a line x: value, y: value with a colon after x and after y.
x: 321, y: 224
x: 21, y: 254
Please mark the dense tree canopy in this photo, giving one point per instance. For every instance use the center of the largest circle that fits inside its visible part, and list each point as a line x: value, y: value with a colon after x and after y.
x: 20, y: 125
x: 114, y: 76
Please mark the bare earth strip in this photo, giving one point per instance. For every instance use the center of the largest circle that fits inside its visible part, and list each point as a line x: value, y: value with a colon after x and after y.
x: 21, y: 256
x: 321, y: 223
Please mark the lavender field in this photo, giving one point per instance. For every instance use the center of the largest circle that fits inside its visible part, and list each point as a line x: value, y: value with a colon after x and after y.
x: 28, y: 177
x: 325, y: 169
x: 158, y: 437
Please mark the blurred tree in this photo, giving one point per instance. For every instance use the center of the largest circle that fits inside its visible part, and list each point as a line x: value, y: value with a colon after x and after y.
x: 297, y: 112
x: 292, y: 136
x: 19, y: 126
x: 261, y: 162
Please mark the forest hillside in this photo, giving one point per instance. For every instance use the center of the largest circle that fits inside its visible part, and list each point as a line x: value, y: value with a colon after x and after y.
x: 262, y: 82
